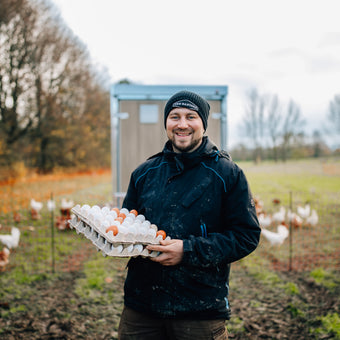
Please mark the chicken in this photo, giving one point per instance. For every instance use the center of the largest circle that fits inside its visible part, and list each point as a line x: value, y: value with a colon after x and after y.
x: 65, y: 209
x: 35, y: 209
x: 276, y: 238
x: 258, y: 205
x: 50, y: 205
x: 17, y: 217
x: 37, y: 206
x: 304, y: 212
x: 11, y: 240
x: 313, y: 218
x: 4, y: 258
x: 264, y: 220
x: 294, y: 219
x: 280, y: 215
x: 66, y: 204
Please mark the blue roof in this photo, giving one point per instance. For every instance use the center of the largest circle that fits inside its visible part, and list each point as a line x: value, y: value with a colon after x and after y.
x: 164, y: 92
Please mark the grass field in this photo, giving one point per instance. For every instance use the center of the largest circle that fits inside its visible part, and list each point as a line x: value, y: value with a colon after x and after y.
x: 83, y: 298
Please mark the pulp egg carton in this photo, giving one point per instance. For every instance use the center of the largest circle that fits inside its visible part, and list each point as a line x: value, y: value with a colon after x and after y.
x: 116, y: 232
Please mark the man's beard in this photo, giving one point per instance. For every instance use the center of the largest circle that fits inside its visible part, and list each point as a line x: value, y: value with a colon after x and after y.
x: 188, y: 148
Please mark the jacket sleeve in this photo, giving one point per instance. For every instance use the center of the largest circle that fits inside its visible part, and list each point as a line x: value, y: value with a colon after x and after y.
x: 240, y: 230
x: 130, y: 200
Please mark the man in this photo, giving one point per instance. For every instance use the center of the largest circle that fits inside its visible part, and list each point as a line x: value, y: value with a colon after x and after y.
x: 201, y: 199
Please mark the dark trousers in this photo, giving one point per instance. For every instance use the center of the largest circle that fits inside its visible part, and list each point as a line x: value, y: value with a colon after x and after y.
x: 137, y: 326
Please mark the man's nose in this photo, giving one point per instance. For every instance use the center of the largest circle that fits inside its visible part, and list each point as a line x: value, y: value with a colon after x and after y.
x: 182, y: 123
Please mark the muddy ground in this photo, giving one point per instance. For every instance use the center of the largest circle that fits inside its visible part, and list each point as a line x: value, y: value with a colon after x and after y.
x: 50, y: 308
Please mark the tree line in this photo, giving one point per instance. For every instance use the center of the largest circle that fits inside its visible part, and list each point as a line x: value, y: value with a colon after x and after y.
x: 276, y: 131
x: 54, y: 102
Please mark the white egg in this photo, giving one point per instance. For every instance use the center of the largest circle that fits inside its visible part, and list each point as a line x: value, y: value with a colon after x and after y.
x: 138, y: 222
x: 104, y: 225
x: 153, y: 226
x: 152, y: 232
x: 97, y: 219
x: 105, y: 210
x: 129, y: 248
x: 96, y: 208
x: 138, y: 248
x: 143, y: 230
x: 146, y: 224
x: 128, y: 220
x: 133, y: 216
x: 118, y: 248
x: 85, y: 209
x: 132, y: 229
x: 124, y: 211
x: 122, y: 229
x: 109, y: 218
x: 113, y: 214
x: 140, y: 218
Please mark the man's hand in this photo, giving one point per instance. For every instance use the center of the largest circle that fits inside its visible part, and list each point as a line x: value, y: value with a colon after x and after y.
x: 172, y: 252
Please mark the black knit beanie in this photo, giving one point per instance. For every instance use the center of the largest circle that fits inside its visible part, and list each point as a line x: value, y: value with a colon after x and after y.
x: 189, y: 100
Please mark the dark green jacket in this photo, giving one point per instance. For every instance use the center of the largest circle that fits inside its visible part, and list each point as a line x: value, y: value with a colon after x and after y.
x: 202, y: 198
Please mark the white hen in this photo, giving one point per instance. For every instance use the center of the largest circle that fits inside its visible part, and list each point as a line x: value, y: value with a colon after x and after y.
x: 50, y: 205
x: 313, y: 218
x: 11, y: 240
x: 264, y: 220
x: 66, y: 204
x: 280, y: 215
x: 37, y: 206
x: 278, y: 237
x: 304, y: 212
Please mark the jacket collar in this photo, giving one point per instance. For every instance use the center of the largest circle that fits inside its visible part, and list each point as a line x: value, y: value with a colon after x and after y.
x: 189, y: 159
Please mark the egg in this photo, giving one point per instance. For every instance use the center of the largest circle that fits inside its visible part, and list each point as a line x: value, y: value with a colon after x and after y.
x: 124, y: 211
x: 113, y: 213
x: 85, y: 209
x: 140, y: 218
x: 128, y: 220
x: 138, y: 248
x: 117, y: 248
x: 152, y: 232
x: 105, y: 210
x: 112, y: 228
x: 134, y: 212
x: 104, y: 225
x: 132, y: 216
x: 161, y: 233
x: 129, y: 248
x: 96, y: 208
x: 146, y: 224
x: 109, y: 218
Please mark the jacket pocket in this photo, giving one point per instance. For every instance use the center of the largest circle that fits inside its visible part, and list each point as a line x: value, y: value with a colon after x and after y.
x: 196, y: 192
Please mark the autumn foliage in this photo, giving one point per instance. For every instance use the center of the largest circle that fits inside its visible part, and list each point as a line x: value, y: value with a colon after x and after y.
x: 54, y: 104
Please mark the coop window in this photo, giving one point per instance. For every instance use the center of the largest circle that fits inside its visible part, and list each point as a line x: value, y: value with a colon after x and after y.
x: 148, y: 114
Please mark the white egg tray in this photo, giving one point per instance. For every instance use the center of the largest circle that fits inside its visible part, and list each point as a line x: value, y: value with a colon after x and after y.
x: 126, y: 243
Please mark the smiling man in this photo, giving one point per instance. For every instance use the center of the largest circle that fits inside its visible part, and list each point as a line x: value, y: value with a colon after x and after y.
x: 201, y: 199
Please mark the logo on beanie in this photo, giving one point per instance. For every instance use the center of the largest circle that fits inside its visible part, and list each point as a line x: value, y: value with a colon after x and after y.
x: 187, y: 104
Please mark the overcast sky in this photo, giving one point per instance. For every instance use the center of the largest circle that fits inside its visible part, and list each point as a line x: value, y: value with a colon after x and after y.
x: 284, y: 47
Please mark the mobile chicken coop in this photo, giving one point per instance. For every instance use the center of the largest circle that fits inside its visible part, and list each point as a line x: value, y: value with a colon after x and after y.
x: 137, y: 124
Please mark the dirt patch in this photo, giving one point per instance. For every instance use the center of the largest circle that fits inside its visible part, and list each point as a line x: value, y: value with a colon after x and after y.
x: 51, y: 309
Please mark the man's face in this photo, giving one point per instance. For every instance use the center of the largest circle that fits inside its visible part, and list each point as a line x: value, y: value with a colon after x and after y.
x: 185, y: 129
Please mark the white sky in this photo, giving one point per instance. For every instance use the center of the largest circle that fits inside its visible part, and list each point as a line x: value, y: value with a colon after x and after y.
x: 284, y: 47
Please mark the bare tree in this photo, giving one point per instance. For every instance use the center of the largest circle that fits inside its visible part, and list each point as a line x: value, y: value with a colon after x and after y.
x: 332, y: 125
x: 273, y: 124
x: 15, y: 82
x: 334, y: 113
x: 292, y: 127
x: 253, y: 126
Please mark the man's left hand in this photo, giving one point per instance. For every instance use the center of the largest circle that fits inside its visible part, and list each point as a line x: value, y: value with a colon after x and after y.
x: 171, y: 252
